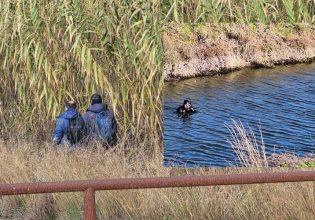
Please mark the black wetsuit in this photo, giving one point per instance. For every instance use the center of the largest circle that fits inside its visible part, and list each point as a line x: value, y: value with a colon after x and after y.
x: 183, y: 111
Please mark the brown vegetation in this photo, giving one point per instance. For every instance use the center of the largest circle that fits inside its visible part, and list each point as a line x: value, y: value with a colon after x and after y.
x: 291, y: 160
x: 42, y: 162
x: 209, y: 49
x: 251, y: 151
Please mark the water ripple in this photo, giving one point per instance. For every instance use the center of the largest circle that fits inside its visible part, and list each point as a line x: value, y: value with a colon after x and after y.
x: 280, y: 100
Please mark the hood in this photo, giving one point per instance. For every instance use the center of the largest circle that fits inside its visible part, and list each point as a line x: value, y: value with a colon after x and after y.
x: 96, y: 108
x: 69, y: 114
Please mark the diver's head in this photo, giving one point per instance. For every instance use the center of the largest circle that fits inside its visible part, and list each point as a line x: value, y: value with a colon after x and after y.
x: 187, y: 104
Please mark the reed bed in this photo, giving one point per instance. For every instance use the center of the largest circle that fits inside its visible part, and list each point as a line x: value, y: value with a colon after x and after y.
x: 56, y: 50
x: 240, y: 11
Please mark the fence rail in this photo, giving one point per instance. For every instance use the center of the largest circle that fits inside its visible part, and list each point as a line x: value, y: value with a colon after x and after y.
x: 90, y: 186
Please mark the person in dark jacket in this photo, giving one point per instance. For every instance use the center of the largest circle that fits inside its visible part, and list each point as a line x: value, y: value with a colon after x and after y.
x: 100, y: 121
x: 70, y: 127
x: 185, y: 108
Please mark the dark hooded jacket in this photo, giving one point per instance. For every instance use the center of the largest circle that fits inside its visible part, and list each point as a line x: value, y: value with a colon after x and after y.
x: 62, y: 125
x: 92, y: 126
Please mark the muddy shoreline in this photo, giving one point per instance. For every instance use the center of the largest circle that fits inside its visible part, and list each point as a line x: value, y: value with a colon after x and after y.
x: 210, y: 50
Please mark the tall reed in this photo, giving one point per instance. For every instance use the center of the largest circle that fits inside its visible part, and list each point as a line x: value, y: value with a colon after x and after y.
x: 249, y: 151
x: 244, y: 11
x: 56, y: 50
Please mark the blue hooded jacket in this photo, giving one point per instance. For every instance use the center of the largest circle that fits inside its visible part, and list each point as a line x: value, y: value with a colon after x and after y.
x: 62, y: 125
x: 89, y: 118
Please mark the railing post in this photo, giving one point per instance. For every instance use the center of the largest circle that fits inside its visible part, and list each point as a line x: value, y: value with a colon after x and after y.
x: 89, y: 204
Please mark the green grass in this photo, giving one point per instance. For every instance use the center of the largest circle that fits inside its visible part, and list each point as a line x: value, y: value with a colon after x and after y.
x: 308, y: 164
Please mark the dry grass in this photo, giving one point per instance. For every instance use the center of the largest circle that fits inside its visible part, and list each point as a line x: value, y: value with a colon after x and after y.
x: 213, y: 49
x: 250, y: 153
x: 42, y: 162
x: 245, y: 11
x: 290, y: 159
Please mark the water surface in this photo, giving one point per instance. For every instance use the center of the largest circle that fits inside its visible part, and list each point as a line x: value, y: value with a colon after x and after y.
x: 280, y: 100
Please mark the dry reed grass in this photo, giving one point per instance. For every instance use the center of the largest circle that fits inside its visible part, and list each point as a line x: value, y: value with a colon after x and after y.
x: 249, y: 151
x: 252, y: 153
x: 57, y: 50
x: 42, y: 162
x: 245, y: 11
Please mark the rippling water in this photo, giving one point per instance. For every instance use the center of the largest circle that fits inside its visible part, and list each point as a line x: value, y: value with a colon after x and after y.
x: 280, y: 100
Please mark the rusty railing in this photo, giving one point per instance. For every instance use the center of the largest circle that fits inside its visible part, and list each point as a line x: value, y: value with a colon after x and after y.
x: 90, y: 186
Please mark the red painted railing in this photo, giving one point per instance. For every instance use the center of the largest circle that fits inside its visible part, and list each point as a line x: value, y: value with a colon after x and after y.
x: 90, y: 186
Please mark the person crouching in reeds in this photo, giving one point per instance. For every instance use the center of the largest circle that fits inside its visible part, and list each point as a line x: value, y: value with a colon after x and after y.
x: 100, y: 122
x: 70, y: 127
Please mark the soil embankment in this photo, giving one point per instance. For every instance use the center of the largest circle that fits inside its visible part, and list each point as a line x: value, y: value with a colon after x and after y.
x: 208, y: 50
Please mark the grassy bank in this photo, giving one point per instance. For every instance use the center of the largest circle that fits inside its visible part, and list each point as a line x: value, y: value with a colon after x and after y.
x: 42, y: 162
x: 213, y: 49
x: 219, y: 36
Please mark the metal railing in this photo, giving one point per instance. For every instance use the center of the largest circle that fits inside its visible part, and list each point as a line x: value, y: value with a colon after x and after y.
x: 90, y: 186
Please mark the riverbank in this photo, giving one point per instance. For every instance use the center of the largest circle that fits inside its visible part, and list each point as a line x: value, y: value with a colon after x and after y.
x: 291, y: 160
x: 210, y: 49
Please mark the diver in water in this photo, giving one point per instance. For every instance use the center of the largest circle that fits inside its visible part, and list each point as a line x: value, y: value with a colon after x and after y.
x: 186, y: 108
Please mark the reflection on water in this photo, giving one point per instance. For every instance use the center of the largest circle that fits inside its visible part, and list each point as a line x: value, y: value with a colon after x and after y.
x: 281, y: 100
